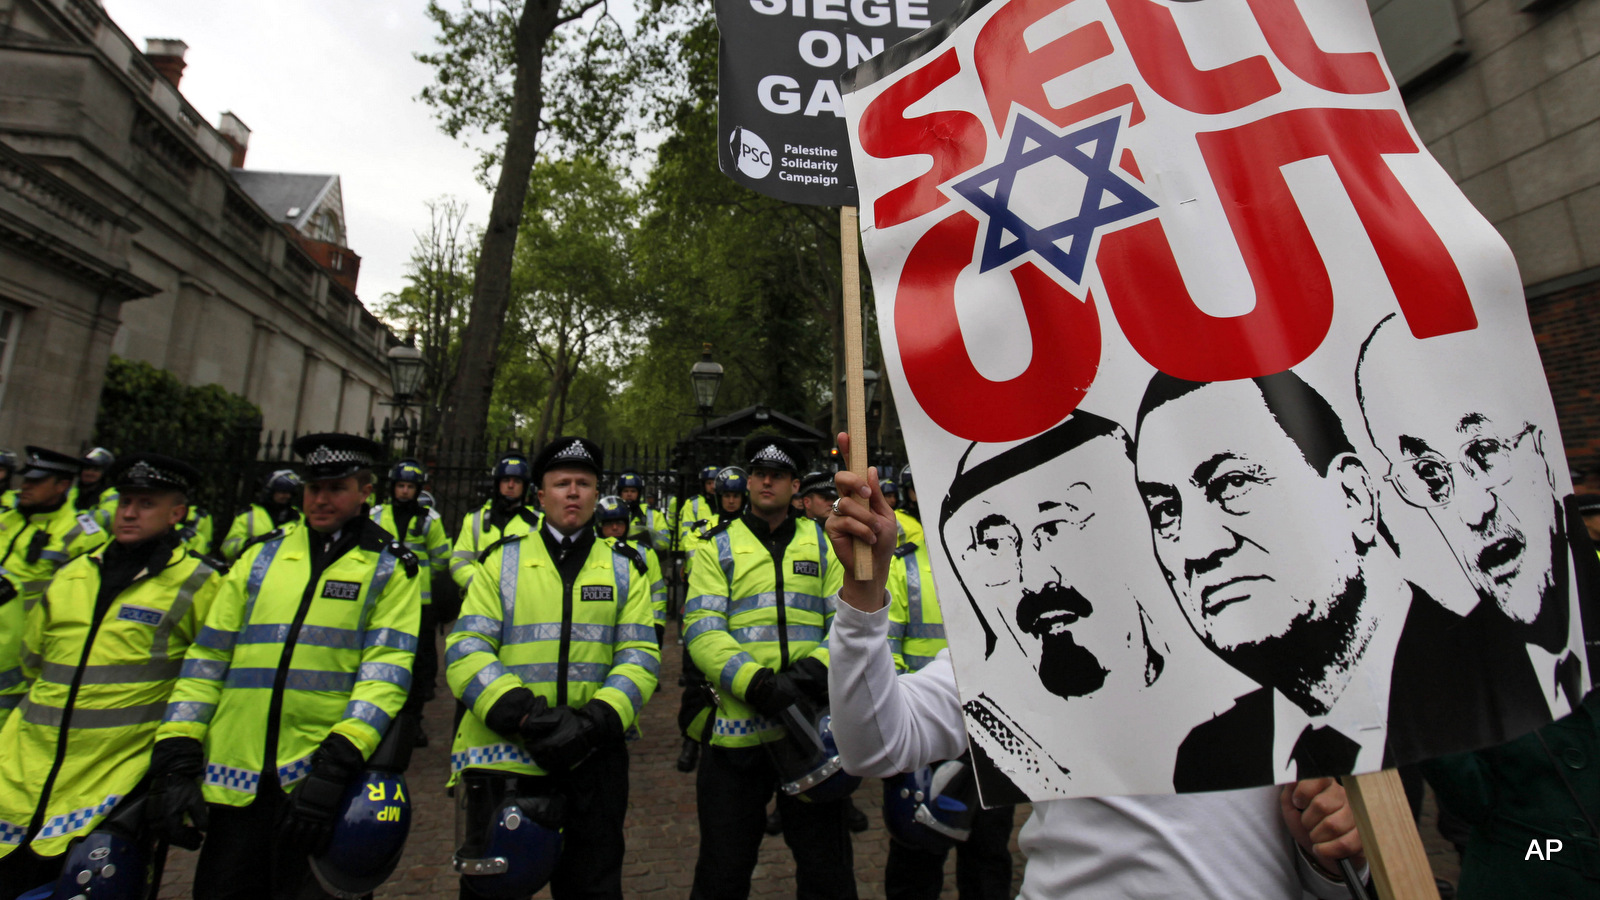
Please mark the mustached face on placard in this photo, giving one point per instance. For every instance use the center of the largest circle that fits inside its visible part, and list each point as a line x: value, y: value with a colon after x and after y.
x: 1028, y: 546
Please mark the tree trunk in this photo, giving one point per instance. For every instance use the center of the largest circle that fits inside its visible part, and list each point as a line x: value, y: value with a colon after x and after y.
x: 468, y: 412
x: 558, y: 373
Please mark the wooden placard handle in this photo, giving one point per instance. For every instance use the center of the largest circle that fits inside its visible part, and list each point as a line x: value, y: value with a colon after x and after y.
x: 1400, y: 867
x: 855, y: 387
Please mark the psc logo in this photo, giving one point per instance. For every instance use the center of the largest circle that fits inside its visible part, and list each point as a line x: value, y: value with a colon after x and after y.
x: 750, y: 153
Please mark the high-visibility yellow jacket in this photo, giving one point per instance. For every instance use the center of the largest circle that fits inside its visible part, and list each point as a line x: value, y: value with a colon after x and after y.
x: 908, y: 530
x: 523, y: 625
x: 333, y: 653
x: 104, y: 508
x: 696, y: 516
x: 424, y: 537
x: 105, y: 683
x: 197, y: 529
x: 478, y: 532
x: 750, y: 608
x: 658, y: 584
x: 916, y: 626
x: 650, y: 527
x: 34, y: 547
x: 249, y: 525
x: 8, y: 500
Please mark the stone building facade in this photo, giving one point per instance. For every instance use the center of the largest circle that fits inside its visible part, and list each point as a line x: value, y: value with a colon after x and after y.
x: 1506, y: 94
x: 125, y: 228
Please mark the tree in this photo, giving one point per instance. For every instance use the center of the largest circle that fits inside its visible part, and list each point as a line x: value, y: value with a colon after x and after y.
x: 490, y: 78
x: 573, y: 289
x: 433, y: 305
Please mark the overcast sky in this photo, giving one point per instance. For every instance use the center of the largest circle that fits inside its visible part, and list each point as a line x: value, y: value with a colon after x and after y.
x: 326, y: 87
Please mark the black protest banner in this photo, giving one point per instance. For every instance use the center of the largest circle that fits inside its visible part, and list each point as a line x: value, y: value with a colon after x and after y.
x: 780, y: 117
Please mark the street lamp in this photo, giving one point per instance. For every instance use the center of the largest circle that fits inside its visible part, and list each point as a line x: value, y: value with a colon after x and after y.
x: 706, y: 376
x: 405, y: 370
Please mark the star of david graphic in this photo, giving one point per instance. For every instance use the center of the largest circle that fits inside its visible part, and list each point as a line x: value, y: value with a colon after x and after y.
x: 1107, y: 199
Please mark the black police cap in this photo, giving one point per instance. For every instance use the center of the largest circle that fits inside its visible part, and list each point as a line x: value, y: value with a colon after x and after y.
x: 770, y: 452
x: 42, y: 463
x: 325, y: 456
x: 817, y: 483
x: 568, y: 450
x: 153, y: 472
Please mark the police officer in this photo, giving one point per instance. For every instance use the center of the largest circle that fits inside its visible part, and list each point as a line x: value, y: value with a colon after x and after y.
x: 695, y: 710
x: 304, y: 661
x: 553, y: 691
x: 983, y: 860
x: 40, y: 536
x: 422, y: 532
x: 90, y: 494
x: 646, y: 524
x: 756, y: 626
x: 197, y: 529
x: 506, y: 512
x: 8, y: 467
x: 817, y: 495
x: 698, y: 513
x: 272, y: 511
x: 906, y: 513
x: 102, y: 652
x: 611, y: 520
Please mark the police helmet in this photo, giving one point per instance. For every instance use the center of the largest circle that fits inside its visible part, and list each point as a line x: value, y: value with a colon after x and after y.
x: 610, y: 509
x: 98, y: 458
x: 426, y: 499
x: 906, y: 480
x: 283, y: 480
x: 630, y: 480
x: 512, y: 851
x: 807, y: 758
x: 708, y: 473
x: 933, y: 807
x: 732, y: 480
x: 408, y: 469
x: 889, y: 488
x: 368, y: 838
x: 8, y: 460
x: 105, y: 865
x: 513, y: 465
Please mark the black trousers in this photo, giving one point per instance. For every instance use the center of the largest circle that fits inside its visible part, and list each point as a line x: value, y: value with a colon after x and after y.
x: 425, y: 666
x: 240, y: 859
x: 732, y: 790
x: 22, y: 871
x: 983, y: 863
x: 592, y: 843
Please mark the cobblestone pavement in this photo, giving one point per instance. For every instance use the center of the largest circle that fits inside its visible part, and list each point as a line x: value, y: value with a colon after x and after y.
x: 662, y: 835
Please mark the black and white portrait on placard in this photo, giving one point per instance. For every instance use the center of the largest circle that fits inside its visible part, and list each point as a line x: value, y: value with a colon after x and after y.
x: 1248, y: 468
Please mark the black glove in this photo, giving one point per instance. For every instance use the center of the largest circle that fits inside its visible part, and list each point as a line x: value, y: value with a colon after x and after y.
x: 511, y: 711
x: 577, y: 733
x: 8, y: 591
x: 314, y: 805
x: 176, y: 765
x: 771, y: 692
x: 810, y: 677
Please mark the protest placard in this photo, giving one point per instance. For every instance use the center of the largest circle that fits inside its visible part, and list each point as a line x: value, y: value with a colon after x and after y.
x: 1236, y: 456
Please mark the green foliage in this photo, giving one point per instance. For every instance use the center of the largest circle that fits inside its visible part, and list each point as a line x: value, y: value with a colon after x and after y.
x: 146, y: 408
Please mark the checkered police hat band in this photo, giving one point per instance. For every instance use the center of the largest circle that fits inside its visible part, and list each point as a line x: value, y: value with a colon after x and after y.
x: 142, y: 472
x: 327, y: 456
x: 574, y: 450
x: 771, y: 454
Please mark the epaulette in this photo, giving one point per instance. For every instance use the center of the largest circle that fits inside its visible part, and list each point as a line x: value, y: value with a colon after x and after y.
x: 217, y: 565
x: 406, y: 558
x: 721, y: 527
x: 272, y: 535
x: 504, y: 539
x: 632, y: 553
x: 906, y: 550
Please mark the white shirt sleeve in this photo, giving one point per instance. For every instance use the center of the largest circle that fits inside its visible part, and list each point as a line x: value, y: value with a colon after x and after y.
x: 884, y: 724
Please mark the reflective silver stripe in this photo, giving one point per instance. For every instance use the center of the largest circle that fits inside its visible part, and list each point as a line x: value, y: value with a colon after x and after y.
x: 258, y: 574
x: 369, y: 713
x: 731, y: 669
x: 642, y: 659
x: 208, y: 669
x: 52, y: 716
x: 822, y: 555
x: 637, y: 633
x: 582, y: 632
x: 58, y: 673
x: 622, y: 573
x: 179, y: 609
x: 35, y: 586
x: 510, y: 558
x: 297, y: 680
x: 486, y: 676
x: 477, y: 625
x: 725, y: 556
x: 389, y: 672
x: 53, y: 555
x: 709, y: 623
x: 477, y: 529
x: 590, y: 672
x: 10, y: 701
x: 628, y: 689
x: 712, y: 603
x: 464, y: 648
x: 913, y: 590
x: 10, y: 678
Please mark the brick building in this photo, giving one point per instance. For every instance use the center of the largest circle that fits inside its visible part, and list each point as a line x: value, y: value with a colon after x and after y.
x: 1506, y: 93
x: 128, y: 225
